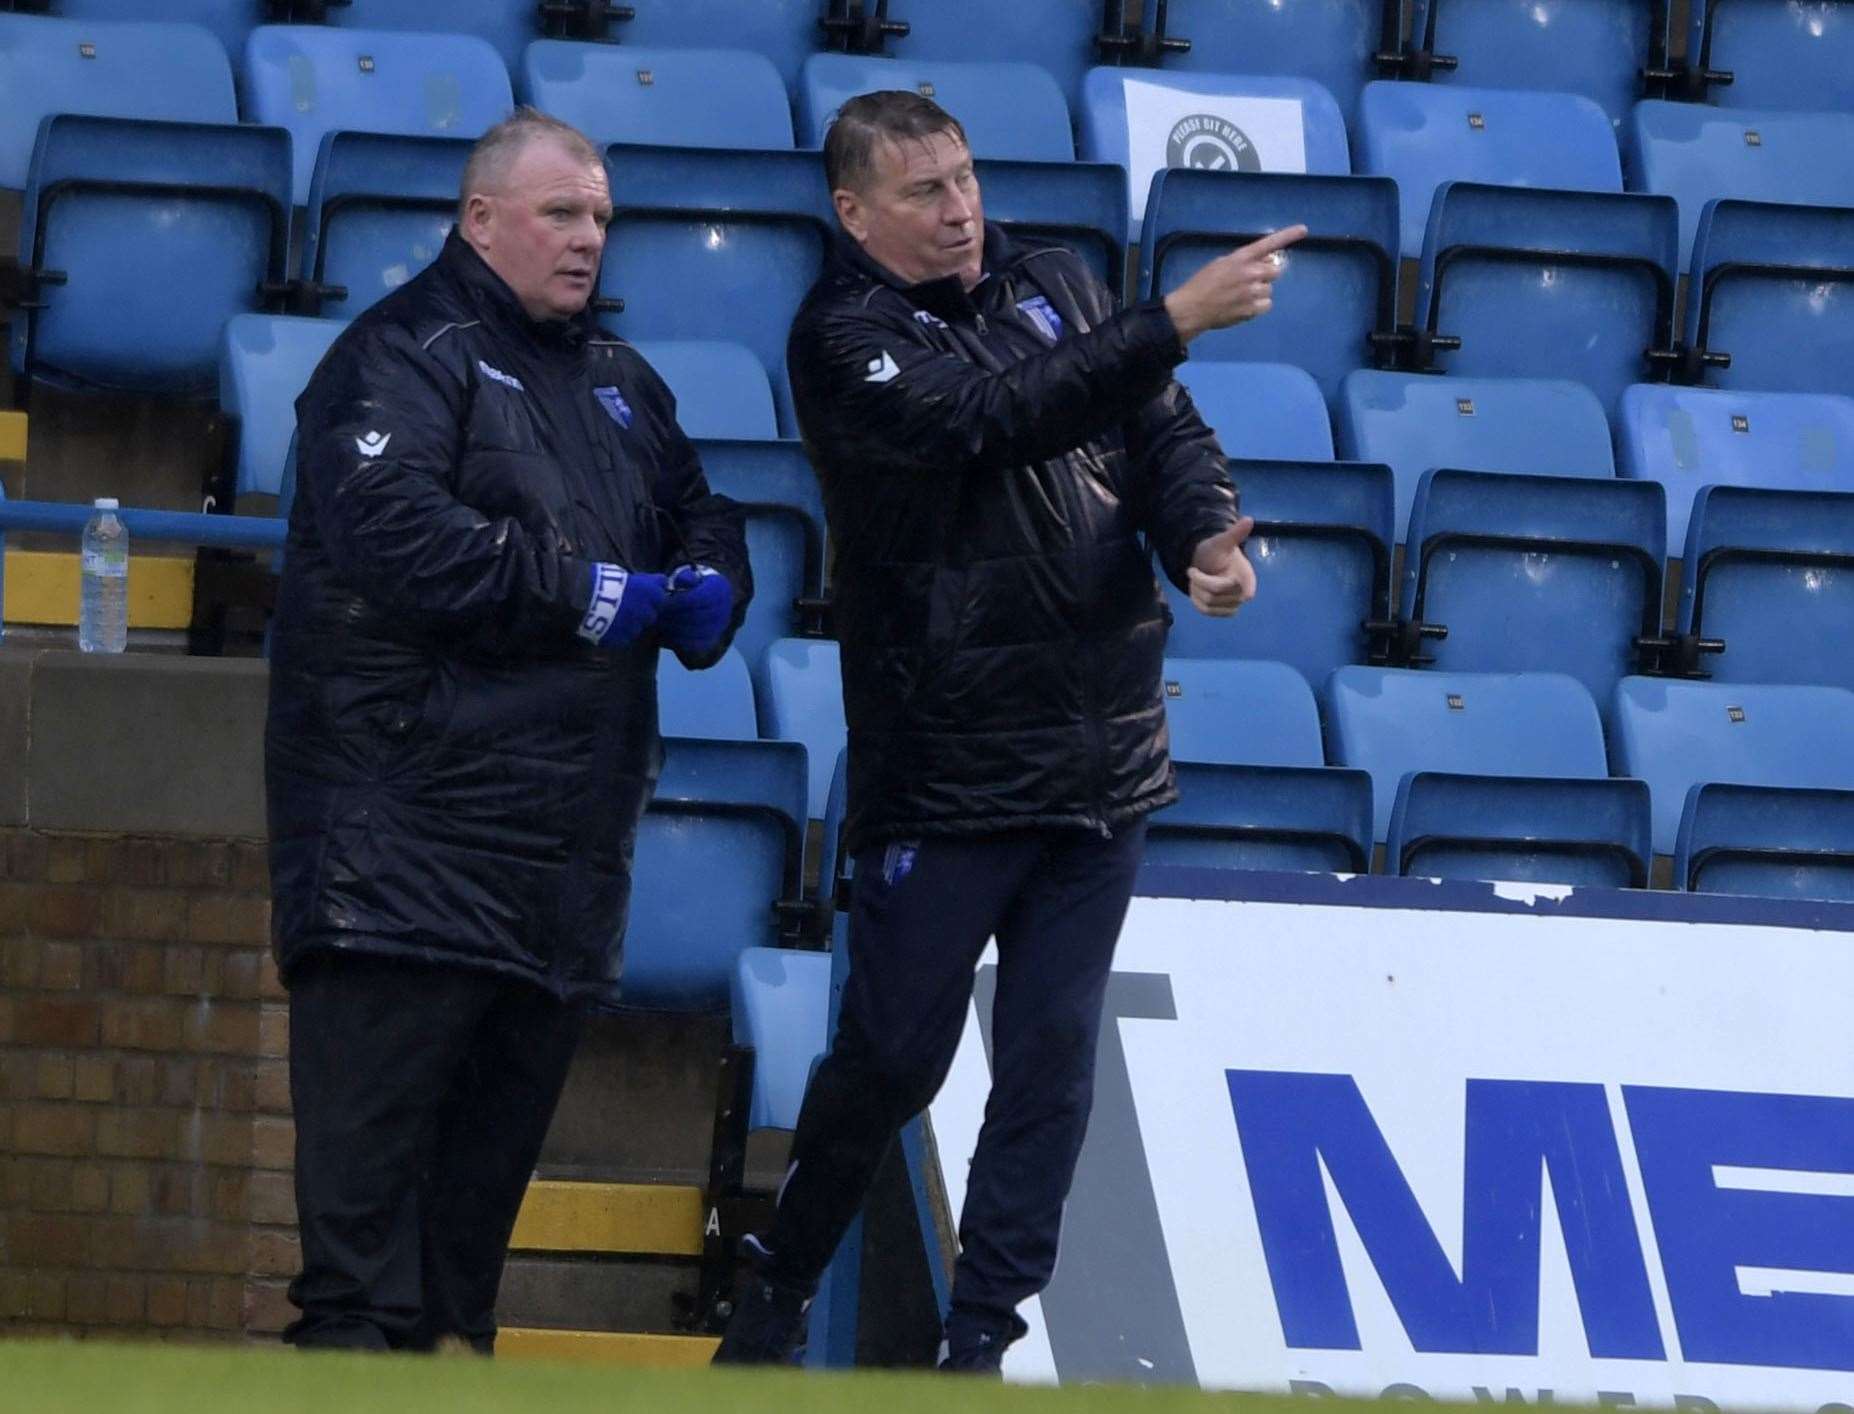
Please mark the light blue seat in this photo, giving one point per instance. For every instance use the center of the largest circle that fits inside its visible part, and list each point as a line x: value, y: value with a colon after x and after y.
x: 1414, y: 423
x: 313, y: 79
x: 1694, y: 154
x: 710, y: 244
x: 1338, y: 292
x: 507, y: 25
x: 1687, y: 438
x: 713, y: 704
x: 1391, y: 721
x: 1082, y: 205
x: 145, y: 238
x: 1314, y: 818
x: 1008, y: 110
x: 1059, y: 35
x: 801, y: 699
x: 1773, y: 288
x: 1422, y: 135
x: 718, y: 852
x: 1772, y: 574
x: 1521, y: 829
x: 229, y: 20
x: 1594, y: 47
x: 264, y: 365
x: 785, y: 31
x: 1249, y: 713
x: 380, y: 207
x: 1767, y: 840
x: 1147, y: 120
x: 781, y: 1012
x: 1271, y: 410
x: 1779, y: 56
x: 1676, y: 735
x: 672, y: 97
x: 177, y: 73
x: 1322, y: 547
x: 720, y: 387
x: 1550, y: 284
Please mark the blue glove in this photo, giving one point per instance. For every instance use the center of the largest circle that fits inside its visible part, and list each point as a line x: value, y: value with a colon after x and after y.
x: 696, y: 613
x: 624, y: 604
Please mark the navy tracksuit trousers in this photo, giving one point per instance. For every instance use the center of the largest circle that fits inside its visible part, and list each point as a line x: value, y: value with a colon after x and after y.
x: 921, y: 914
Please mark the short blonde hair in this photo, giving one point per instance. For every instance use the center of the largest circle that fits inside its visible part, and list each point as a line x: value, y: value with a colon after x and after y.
x: 497, y: 150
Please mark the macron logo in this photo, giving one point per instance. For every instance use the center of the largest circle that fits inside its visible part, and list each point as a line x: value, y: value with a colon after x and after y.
x: 883, y: 369
x: 373, y: 444
x: 507, y: 380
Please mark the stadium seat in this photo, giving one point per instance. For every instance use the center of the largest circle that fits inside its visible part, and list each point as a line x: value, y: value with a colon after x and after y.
x: 670, y: 97
x: 1322, y: 545
x: 1248, y: 713
x: 314, y: 80
x: 231, y: 23
x: 144, y: 238
x: 264, y: 365
x: 1339, y: 288
x: 1520, y: 829
x: 1059, y: 35
x: 1550, y: 284
x: 1148, y: 120
x: 1694, y: 153
x: 1271, y: 410
x: 780, y: 1010
x: 785, y: 31
x: 710, y: 244
x: 1594, y: 47
x: 1082, y: 205
x: 507, y: 25
x: 720, y: 388
x: 1676, y: 735
x: 1391, y: 721
x: 1687, y: 438
x: 1767, y: 572
x: 176, y: 73
x: 801, y: 699
x: 714, y: 704
x: 1767, y: 840
x: 1772, y: 288
x: 1008, y: 110
x: 1264, y: 817
x: 1779, y: 56
x: 380, y: 207
x: 1414, y: 423
x: 721, y: 845
x: 1422, y: 135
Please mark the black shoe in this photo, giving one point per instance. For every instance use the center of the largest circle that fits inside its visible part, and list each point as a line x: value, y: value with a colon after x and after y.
x: 768, y: 1324
x: 974, y: 1348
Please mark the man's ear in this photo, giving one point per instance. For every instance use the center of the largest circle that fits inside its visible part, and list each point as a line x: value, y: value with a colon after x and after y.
x: 479, y: 214
x: 851, y: 213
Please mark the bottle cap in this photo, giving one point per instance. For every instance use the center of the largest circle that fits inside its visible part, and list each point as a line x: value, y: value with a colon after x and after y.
x: 107, y: 503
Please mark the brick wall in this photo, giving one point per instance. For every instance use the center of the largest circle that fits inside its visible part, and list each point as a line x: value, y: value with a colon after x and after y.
x: 145, y: 1139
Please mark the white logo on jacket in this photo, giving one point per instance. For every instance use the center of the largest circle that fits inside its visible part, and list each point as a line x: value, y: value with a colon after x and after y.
x: 373, y: 444
x: 508, y: 380
x: 883, y: 369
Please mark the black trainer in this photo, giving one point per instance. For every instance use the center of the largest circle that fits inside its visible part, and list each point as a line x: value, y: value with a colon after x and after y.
x: 975, y: 1348
x: 768, y: 1324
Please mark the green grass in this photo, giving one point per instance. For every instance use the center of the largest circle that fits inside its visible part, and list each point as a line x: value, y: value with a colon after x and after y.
x: 45, y: 1377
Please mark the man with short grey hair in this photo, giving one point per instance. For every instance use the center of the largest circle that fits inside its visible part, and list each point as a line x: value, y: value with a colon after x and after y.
x: 497, y: 525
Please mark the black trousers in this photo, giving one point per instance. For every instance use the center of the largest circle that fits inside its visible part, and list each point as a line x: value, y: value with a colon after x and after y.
x: 422, y: 1094
x: 920, y: 918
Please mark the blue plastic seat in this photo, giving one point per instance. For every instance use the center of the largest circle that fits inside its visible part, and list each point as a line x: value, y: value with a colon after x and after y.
x: 1322, y: 551
x: 1261, y: 410
x: 1314, y: 818
x: 1391, y: 721
x: 1772, y: 574
x: 708, y: 244
x: 1082, y: 205
x: 1414, y: 423
x: 229, y: 20
x: 1008, y: 110
x: 1687, y: 438
x: 1594, y: 47
x: 1339, y: 288
x: 801, y: 700
x: 671, y: 97
x: 720, y: 388
x: 714, y: 704
x: 265, y: 364
x: 1148, y: 120
x: 721, y: 845
x: 785, y: 31
x: 176, y: 73
x: 380, y: 207
x: 507, y: 25
x: 1521, y: 829
x: 1423, y: 135
x: 314, y: 79
x: 1766, y: 840
x: 1058, y: 35
x: 780, y: 1009
x: 1694, y: 154
x: 1550, y: 284
x: 146, y: 237
x: 1779, y: 56
x: 1248, y: 713
x: 1773, y: 288
x: 1676, y: 735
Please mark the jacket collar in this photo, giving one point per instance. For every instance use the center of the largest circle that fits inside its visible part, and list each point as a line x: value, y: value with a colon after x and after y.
x: 498, y: 307
x: 945, y: 298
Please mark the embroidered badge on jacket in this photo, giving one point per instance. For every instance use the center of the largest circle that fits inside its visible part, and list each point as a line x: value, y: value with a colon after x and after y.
x: 1040, y: 312
x: 613, y: 402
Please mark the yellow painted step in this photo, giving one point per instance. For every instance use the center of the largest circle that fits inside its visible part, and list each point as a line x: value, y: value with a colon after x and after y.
x: 655, y: 1218
x: 41, y: 588
x: 656, y: 1352
x: 12, y: 436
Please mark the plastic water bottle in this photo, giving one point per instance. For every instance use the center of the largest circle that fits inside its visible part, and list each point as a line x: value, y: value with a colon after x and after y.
x: 103, y: 615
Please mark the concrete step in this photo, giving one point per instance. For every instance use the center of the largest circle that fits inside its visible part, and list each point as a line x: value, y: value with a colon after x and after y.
x: 662, y: 1352
x: 597, y: 1293
x: 660, y: 1219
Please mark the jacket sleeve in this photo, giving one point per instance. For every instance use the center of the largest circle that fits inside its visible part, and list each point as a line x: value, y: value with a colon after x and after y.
x: 1181, y: 477
x: 381, y: 432
x: 874, y: 378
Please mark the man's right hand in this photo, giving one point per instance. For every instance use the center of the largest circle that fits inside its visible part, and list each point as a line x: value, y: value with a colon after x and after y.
x: 1233, y: 288
x: 624, y: 604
